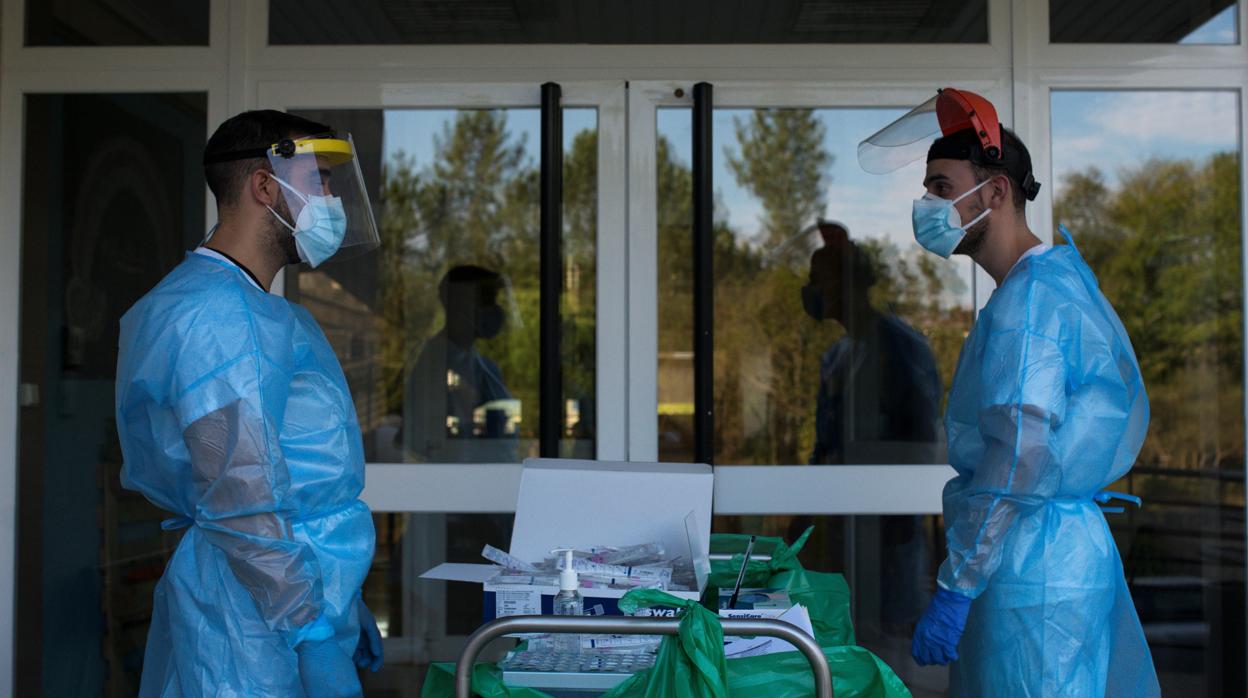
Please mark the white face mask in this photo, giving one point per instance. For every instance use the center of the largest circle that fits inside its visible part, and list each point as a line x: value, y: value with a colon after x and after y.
x: 938, y: 225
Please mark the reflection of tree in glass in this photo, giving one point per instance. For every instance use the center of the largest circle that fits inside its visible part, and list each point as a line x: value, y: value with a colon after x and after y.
x: 477, y: 203
x: 1165, y: 246
x: 784, y: 164
x: 767, y: 361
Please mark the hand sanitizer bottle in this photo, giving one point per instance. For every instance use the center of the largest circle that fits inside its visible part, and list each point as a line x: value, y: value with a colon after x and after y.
x: 568, y: 603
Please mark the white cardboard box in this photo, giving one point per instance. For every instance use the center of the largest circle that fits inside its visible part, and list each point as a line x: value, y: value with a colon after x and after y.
x: 579, y: 503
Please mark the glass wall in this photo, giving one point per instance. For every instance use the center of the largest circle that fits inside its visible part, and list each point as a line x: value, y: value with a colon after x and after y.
x: 438, y: 332
x: 825, y: 309
x: 112, y: 23
x: 112, y: 197
x: 324, y: 22
x: 1146, y: 22
x: 451, y: 297
x: 1149, y: 185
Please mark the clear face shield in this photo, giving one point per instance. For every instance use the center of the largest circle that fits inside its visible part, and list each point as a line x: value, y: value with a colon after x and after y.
x: 327, y: 208
x: 908, y: 138
x: 331, y: 216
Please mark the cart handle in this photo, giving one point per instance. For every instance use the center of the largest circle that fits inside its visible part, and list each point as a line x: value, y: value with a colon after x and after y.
x: 636, y: 626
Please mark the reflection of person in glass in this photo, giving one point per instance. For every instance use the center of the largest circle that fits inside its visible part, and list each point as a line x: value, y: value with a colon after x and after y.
x: 457, y: 408
x: 879, y: 383
x: 878, y: 401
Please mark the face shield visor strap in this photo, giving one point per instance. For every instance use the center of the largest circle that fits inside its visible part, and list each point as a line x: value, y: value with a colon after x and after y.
x: 957, y: 111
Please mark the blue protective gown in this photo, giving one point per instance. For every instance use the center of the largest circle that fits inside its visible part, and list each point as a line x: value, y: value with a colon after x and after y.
x: 1047, y: 408
x: 234, y: 415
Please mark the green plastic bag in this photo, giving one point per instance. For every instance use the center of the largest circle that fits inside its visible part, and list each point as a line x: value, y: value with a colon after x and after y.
x: 824, y: 594
x: 693, y: 666
x: 758, y: 572
x: 856, y: 673
x: 487, y: 681
x: 690, y: 665
x: 826, y: 597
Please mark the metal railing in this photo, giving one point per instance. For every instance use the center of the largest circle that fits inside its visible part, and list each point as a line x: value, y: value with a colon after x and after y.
x: 636, y: 626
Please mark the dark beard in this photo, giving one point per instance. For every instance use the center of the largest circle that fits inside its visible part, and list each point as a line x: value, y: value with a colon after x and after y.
x: 281, y: 239
x: 974, y: 239
x: 976, y: 235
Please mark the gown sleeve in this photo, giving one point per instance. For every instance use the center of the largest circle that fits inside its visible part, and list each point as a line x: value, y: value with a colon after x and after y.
x: 231, y: 415
x: 1021, y: 404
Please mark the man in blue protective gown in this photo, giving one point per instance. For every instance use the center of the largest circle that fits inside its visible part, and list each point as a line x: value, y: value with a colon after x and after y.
x: 1046, y: 410
x: 234, y: 416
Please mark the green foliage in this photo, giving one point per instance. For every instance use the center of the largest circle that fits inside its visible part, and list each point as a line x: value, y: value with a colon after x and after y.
x: 478, y: 203
x: 783, y: 163
x: 1166, y: 248
x: 767, y: 350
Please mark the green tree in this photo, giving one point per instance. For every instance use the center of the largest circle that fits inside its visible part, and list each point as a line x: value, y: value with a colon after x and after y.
x: 464, y: 198
x: 783, y: 163
x: 1165, y: 245
x: 404, y: 312
x: 767, y: 351
x: 478, y: 203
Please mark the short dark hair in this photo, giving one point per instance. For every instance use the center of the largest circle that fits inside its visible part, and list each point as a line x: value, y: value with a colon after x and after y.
x: 483, y: 279
x: 852, y: 257
x: 251, y: 129
x: 1018, y: 154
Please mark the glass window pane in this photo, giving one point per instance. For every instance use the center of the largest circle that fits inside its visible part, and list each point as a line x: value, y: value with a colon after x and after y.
x: 438, y: 333
x: 634, y: 22
x: 1149, y: 185
x: 890, y: 563
x: 1149, y: 22
x: 579, y: 307
x: 112, y: 197
x: 105, y: 23
x: 834, y: 343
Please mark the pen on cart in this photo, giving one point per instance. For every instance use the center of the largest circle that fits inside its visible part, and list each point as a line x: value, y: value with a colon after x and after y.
x: 745, y: 562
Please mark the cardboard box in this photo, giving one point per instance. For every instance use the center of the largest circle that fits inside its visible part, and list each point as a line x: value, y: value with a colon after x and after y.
x: 578, y: 504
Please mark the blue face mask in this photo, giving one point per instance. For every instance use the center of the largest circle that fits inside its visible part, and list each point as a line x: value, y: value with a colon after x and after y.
x: 320, y: 228
x: 938, y: 225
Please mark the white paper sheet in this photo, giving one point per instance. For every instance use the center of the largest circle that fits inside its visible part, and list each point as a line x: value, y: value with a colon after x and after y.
x: 754, y: 647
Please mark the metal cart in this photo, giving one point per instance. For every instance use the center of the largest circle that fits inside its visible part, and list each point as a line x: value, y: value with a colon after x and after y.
x: 635, y: 626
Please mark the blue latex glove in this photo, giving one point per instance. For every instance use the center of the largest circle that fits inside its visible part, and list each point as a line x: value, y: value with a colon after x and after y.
x: 326, y: 671
x: 368, y: 653
x: 937, y: 634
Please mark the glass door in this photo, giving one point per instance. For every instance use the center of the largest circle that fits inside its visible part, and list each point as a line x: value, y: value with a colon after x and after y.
x: 834, y: 336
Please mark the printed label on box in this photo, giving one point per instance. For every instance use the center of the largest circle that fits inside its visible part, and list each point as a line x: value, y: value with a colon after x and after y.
x: 518, y: 602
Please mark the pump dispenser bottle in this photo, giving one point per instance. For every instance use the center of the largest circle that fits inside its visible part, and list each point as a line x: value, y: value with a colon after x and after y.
x: 568, y: 603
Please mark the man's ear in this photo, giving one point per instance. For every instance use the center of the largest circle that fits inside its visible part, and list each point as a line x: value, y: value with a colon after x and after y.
x: 262, y: 187
x: 1001, y: 196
